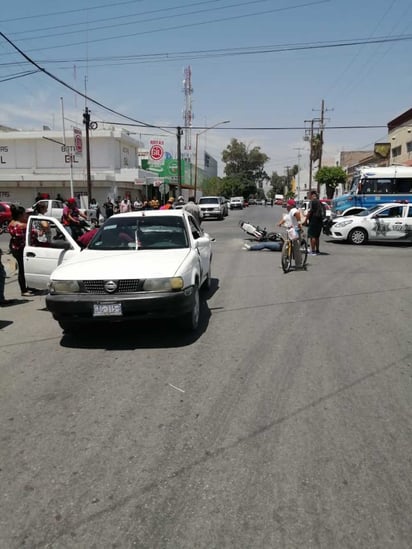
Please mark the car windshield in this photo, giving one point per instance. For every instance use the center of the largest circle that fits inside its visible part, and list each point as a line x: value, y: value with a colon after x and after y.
x: 209, y: 201
x: 141, y: 233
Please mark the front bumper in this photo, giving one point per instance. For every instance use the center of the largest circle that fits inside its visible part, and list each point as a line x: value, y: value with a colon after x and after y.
x: 213, y: 213
x: 337, y: 235
x: 80, y: 307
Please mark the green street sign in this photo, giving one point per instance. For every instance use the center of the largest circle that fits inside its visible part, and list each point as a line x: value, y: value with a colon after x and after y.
x: 167, y: 169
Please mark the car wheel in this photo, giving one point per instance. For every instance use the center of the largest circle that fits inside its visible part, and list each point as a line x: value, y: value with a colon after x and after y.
x: 190, y: 320
x: 207, y: 284
x: 358, y: 236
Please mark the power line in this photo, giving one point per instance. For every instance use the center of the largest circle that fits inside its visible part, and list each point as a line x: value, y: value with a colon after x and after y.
x: 128, y: 16
x: 183, y: 26
x: 225, y: 52
x: 100, y: 6
x: 261, y: 128
x: 74, y: 89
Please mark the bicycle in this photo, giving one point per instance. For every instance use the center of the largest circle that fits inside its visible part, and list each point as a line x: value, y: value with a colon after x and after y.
x: 288, y: 258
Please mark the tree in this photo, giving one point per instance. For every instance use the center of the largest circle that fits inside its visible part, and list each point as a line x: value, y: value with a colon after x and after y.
x: 331, y: 177
x: 278, y: 183
x: 244, y: 168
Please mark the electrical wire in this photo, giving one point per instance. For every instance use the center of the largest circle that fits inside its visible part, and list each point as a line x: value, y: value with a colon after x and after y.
x: 61, y: 82
x: 182, y: 26
x: 237, y: 5
x: 223, y: 52
x: 259, y: 128
x: 49, y: 13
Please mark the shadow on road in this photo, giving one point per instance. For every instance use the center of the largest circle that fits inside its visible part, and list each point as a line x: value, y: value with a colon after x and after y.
x: 141, y: 334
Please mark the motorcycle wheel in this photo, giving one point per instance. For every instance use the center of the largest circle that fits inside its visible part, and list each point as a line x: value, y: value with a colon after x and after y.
x: 273, y: 237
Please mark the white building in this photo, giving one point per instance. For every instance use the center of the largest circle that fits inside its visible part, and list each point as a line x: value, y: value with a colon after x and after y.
x: 33, y: 162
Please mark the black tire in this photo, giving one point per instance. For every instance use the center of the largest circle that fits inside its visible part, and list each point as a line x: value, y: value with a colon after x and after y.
x: 207, y: 284
x: 358, y: 236
x: 286, y: 258
x: 190, y: 321
x: 304, y: 251
x: 273, y: 237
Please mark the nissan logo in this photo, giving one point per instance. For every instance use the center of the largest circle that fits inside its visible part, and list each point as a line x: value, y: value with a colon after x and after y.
x: 110, y: 286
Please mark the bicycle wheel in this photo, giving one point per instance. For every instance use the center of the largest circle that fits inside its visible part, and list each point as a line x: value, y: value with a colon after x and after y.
x: 286, y: 258
x: 304, y: 251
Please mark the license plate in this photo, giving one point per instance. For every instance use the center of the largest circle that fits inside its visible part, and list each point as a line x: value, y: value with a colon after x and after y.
x: 107, y: 309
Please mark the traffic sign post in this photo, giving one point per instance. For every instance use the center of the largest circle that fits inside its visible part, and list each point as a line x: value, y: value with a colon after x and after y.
x: 78, y: 141
x: 156, y: 152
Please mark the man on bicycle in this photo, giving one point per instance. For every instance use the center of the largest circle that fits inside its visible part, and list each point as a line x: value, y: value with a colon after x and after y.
x: 293, y: 219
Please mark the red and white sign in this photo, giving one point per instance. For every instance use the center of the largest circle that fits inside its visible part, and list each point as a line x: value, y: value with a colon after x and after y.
x: 78, y: 141
x: 156, y: 152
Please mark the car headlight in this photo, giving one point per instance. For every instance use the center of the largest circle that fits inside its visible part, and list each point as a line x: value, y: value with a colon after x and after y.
x: 64, y: 287
x: 341, y: 224
x: 163, y: 284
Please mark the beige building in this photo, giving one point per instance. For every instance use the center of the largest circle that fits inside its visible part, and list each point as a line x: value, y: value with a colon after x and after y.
x: 400, y: 139
x: 33, y: 162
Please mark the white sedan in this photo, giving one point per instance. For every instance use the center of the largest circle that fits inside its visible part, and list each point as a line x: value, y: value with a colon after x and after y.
x: 138, y: 264
x: 387, y: 222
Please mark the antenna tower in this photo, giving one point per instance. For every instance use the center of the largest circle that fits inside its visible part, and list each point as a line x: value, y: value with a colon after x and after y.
x: 187, y: 113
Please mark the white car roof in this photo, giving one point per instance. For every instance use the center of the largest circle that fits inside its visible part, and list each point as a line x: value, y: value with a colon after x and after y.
x: 153, y: 213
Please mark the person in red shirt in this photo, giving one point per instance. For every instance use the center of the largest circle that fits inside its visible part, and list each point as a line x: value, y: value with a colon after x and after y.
x: 71, y: 218
x: 17, y: 231
x: 86, y: 237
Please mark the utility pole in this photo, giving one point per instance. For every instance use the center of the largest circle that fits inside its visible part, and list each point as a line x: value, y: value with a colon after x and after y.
x: 298, y: 174
x: 86, y: 122
x: 179, y: 133
x: 287, y: 179
x: 309, y: 137
x: 322, y: 118
x: 321, y: 128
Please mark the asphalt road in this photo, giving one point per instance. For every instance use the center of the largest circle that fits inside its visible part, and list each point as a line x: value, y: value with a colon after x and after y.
x: 284, y: 423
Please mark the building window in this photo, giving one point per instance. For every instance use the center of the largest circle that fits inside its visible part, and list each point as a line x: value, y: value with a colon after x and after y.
x: 396, y: 151
x: 409, y: 146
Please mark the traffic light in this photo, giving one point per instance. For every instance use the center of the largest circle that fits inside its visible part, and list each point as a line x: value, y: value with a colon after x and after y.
x: 86, y: 117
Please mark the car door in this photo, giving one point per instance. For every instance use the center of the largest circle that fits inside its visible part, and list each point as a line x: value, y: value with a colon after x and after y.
x: 390, y: 223
x: 202, y: 244
x: 408, y: 222
x: 47, y: 245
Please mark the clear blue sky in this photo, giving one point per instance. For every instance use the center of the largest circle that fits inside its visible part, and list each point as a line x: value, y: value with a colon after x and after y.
x: 133, y: 54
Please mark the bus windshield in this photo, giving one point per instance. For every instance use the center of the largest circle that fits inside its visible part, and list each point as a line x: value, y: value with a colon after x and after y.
x: 383, y: 185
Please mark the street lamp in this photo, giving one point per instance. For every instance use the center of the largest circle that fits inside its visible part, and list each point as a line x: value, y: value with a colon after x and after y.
x: 197, y: 146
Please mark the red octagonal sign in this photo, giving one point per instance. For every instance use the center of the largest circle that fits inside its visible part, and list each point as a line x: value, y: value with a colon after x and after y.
x: 156, y: 152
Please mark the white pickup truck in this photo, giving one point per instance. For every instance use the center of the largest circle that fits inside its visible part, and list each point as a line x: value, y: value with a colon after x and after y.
x: 55, y: 209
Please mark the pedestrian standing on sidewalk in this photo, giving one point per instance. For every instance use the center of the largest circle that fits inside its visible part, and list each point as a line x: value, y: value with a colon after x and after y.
x: 17, y: 231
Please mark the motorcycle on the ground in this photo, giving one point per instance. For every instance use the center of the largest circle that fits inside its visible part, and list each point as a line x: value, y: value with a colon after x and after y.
x: 259, y: 234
